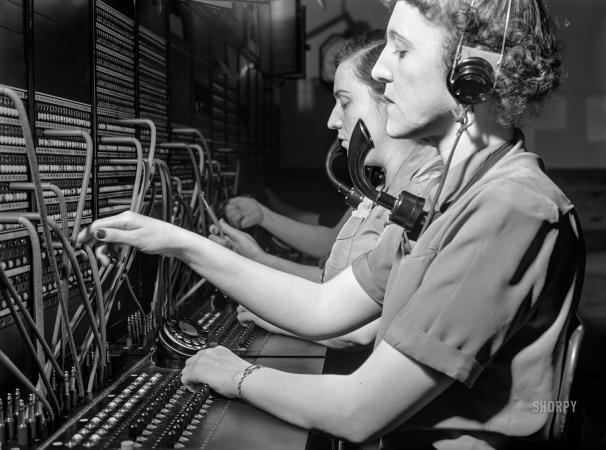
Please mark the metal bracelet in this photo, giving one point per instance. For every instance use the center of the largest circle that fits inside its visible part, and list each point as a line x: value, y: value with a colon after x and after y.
x: 250, y: 369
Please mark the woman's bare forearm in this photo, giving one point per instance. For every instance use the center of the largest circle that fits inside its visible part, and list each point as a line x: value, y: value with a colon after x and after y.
x: 308, y: 309
x: 388, y: 389
x: 315, y: 240
x: 311, y: 310
x: 360, y: 338
x: 311, y: 273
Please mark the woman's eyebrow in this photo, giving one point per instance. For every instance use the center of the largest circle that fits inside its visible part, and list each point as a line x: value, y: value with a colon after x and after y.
x: 340, y: 91
x: 394, y: 35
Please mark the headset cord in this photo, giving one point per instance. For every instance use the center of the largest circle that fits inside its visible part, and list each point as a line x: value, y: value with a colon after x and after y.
x: 464, y: 125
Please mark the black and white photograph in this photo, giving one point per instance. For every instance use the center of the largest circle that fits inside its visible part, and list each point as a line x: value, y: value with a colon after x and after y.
x: 302, y: 224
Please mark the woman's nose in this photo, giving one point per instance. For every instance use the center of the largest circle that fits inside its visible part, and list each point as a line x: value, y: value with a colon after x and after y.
x: 334, y: 122
x: 380, y: 72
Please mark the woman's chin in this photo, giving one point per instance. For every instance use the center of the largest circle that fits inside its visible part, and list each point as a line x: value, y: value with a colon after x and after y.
x: 393, y: 131
x: 399, y: 129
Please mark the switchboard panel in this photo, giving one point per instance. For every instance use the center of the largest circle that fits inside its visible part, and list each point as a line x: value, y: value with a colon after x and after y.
x: 88, y: 88
x: 115, y: 91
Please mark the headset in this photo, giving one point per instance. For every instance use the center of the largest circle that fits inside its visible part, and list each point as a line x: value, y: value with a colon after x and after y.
x: 353, y: 197
x: 472, y: 79
x: 407, y: 209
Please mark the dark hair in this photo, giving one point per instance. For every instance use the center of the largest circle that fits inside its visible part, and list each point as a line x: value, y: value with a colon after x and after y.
x: 363, y: 50
x: 531, y: 68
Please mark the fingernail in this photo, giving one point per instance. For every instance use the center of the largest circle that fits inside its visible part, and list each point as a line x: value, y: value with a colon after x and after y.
x: 101, y: 234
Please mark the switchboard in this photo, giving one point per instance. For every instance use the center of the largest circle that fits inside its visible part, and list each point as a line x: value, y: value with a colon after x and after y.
x: 95, y: 119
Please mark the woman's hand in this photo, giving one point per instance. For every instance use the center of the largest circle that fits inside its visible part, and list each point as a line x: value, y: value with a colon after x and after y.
x: 245, y: 316
x: 225, y: 241
x: 141, y: 232
x: 243, y: 212
x: 243, y: 243
x: 217, y: 367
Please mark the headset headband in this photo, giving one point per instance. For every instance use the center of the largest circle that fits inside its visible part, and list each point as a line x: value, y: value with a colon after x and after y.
x: 473, y: 80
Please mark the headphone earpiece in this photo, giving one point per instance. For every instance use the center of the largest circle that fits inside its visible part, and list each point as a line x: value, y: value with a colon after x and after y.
x: 471, y: 81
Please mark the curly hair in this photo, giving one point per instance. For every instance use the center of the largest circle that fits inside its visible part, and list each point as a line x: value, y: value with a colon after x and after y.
x: 363, y: 50
x: 531, y: 68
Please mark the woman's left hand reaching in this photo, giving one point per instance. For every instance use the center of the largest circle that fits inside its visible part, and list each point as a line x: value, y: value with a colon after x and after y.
x: 239, y: 241
x: 217, y: 367
x: 141, y: 232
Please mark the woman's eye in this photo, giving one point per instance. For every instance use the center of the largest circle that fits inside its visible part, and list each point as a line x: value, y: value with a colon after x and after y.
x: 400, y: 53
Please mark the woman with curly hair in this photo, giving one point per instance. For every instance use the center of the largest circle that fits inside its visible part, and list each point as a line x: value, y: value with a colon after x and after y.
x: 473, y: 319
